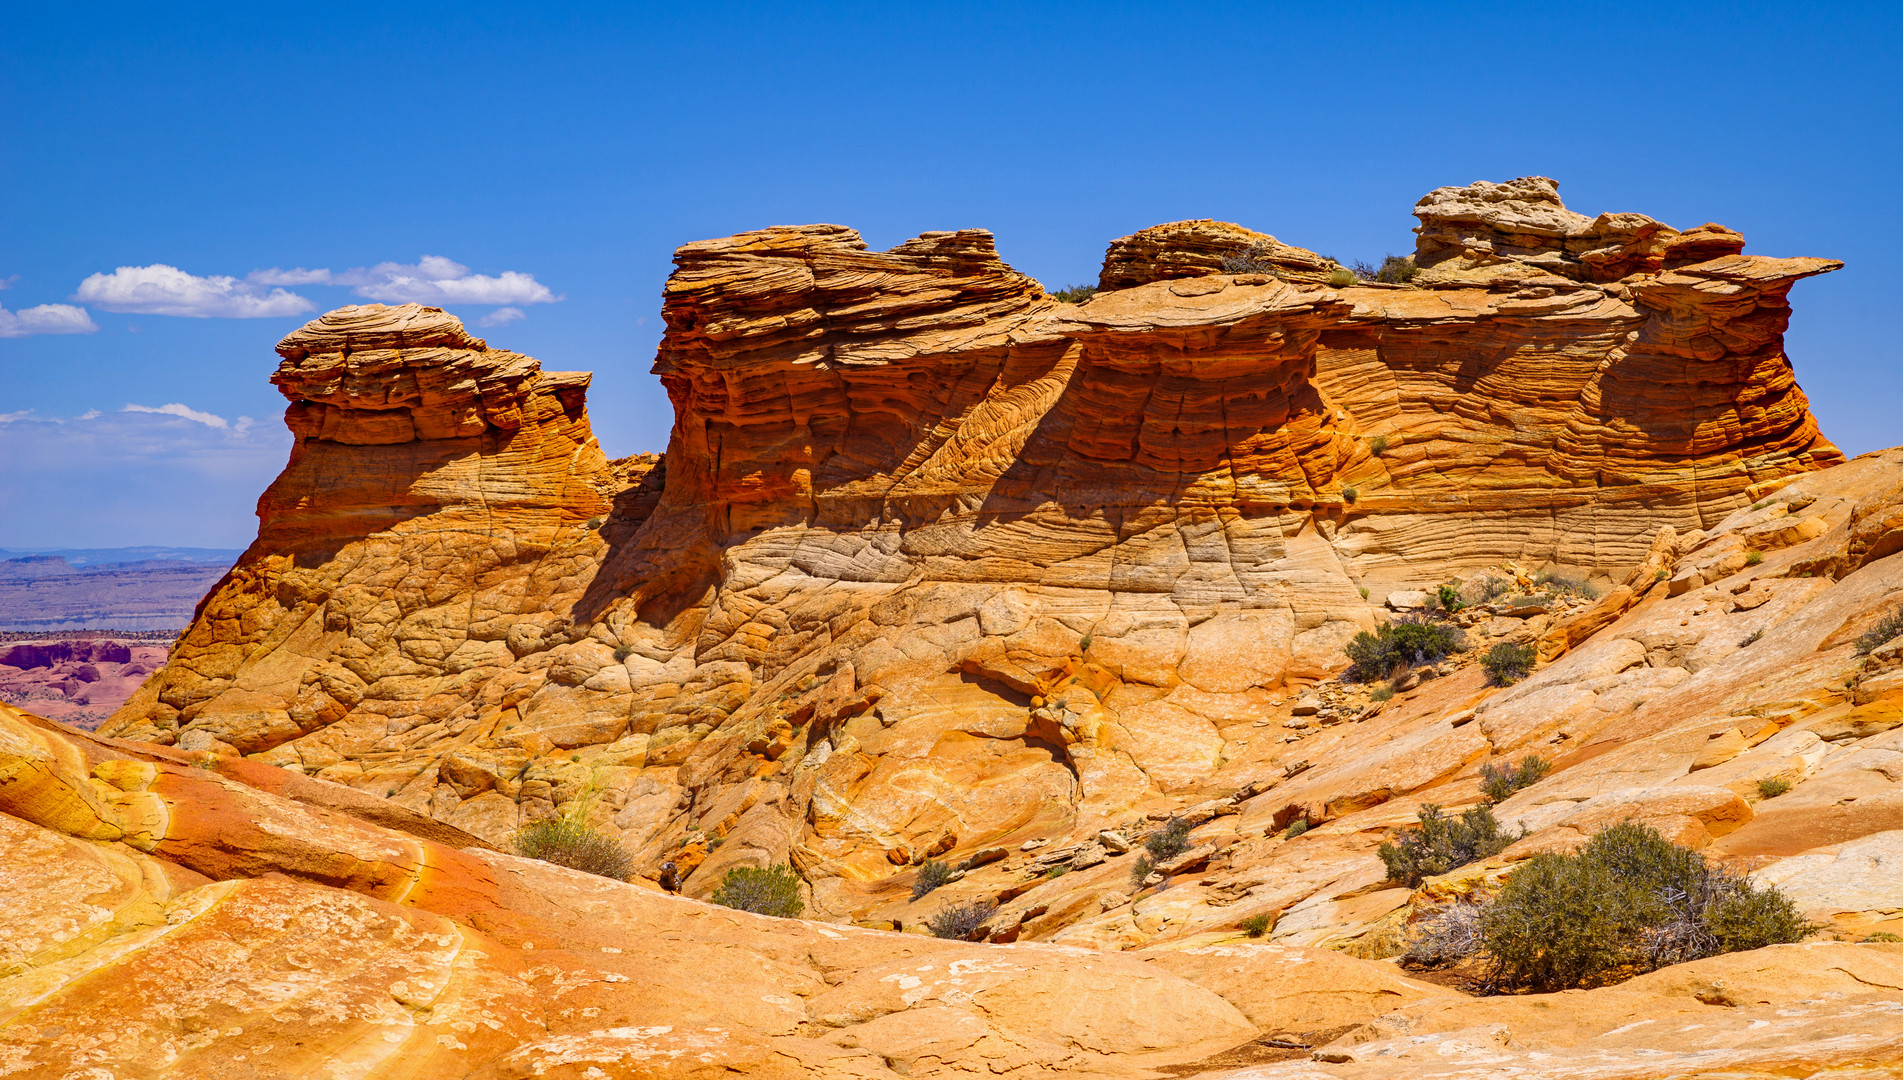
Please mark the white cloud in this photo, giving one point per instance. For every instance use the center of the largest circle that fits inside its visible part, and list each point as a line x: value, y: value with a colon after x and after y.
x: 166, y: 290
x: 502, y: 316
x: 298, y: 276
x: 188, y: 413
x: 46, y: 319
x: 437, y: 280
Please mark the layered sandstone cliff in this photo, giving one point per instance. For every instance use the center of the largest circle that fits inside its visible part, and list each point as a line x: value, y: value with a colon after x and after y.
x: 936, y: 565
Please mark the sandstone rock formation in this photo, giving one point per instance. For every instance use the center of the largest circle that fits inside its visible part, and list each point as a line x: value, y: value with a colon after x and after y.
x: 170, y: 921
x: 78, y: 681
x: 937, y: 567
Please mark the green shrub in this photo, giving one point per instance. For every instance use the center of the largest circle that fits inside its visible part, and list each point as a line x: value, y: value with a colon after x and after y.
x: 1350, y: 494
x: 622, y: 654
x: 1397, y: 646
x: 1627, y: 902
x: 1142, y: 868
x: 1057, y: 871
x: 1879, y: 938
x: 931, y: 874
x: 1364, y: 592
x: 593, y: 523
x: 959, y: 922
x: 1378, y: 445
x: 1341, y: 277
x: 1497, y: 782
x: 1659, y: 575
x: 1394, y: 269
x: 1885, y: 628
x: 1750, y: 638
x: 770, y: 890
x: 1753, y: 558
x: 566, y: 840
x: 1257, y: 925
x: 1772, y: 786
x: 1384, y: 693
x: 1169, y: 841
x: 1075, y: 294
x: 1447, y: 595
x: 1296, y: 828
x: 1507, y: 662
x: 1441, y: 843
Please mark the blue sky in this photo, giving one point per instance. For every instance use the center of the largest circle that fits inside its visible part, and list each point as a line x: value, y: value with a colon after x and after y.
x: 550, y: 159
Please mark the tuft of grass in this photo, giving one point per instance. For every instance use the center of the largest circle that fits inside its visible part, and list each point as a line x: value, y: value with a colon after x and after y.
x: 1441, y: 843
x: 1761, y: 504
x: 1142, y: 868
x: 768, y: 890
x: 1879, y: 938
x: 1296, y: 828
x: 931, y: 874
x: 593, y: 523
x: 1364, y: 592
x: 1398, y: 645
x: 1660, y: 576
x: 1378, y: 445
x: 1772, y: 786
x: 1384, y: 693
x: 1753, y: 558
x: 1057, y: 871
x: 1341, y: 277
x: 1075, y: 294
x: 1497, y: 782
x: 1507, y: 662
x: 622, y: 653
x: 1350, y: 494
x: 1750, y: 638
x: 1881, y: 632
x: 1627, y: 902
x: 566, y: 840
x: 1083, y: 644
x: 958, y: 922
x: 1256, y: 925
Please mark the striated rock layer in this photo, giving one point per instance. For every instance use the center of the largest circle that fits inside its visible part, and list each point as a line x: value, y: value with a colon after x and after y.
x: 936, y: 566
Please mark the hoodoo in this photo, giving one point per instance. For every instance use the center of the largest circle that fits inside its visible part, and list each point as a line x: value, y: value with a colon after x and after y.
x: 935, y: 563
x: 1028, y: 622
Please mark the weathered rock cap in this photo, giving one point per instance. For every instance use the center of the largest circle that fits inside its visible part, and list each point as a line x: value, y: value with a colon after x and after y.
x: 378, y: 326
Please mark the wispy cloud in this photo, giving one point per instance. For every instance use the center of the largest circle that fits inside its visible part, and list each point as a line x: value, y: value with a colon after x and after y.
x: 502, y: 316
x: 183, y: 411
x: 125, y: 475
x: 46, y: 319
x: 166, y: 290
x: 432, y: 279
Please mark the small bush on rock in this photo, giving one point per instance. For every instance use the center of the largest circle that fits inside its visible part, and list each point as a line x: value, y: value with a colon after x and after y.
x: 1142, y: 868
x: 1075, y: 294
x: 1441, y: 843
x: 931, y: 874
x: 1256, y: 925
x: 1169, y: 841
x: 1772, y: 786
x: 1509, y: 662
x: 1446, y: 937
x: 1399, y: 645
x: 1497, y: 782
x: 770, y: 890
x: 1395, y: 269
x: 1886, y: 628
x: 1627, y: 902
x: 958, y: 922
x: 566, y: 840
x: 1341, y: 276
x: 1253, y: 259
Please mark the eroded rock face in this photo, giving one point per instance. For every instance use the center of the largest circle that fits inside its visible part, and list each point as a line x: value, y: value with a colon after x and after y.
x: 936, y: 565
